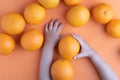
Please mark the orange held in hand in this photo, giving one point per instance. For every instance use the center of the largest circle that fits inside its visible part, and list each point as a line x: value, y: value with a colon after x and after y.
x: 13, y: 23
x: 78, y: 15
x: 62, y: 70
x: 7, y: 44
x: 68, y: 47
x: 32, y: 40
x: 72, y: 2
x: 103, y: 13
x: 49, y: 3
x: 113, y: 28
x: 34, y: 13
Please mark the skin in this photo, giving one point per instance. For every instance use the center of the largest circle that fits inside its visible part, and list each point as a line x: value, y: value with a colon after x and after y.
x: 52, y: 31
x: 103, y: 68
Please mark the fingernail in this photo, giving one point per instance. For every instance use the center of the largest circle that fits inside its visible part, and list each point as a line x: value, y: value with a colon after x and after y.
x: 58, y: 20
x: 47, y: 24
x: 74, y: 57
x: 52, y: 20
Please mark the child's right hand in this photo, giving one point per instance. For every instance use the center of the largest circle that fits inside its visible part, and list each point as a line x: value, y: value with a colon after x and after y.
x: 86, y: 50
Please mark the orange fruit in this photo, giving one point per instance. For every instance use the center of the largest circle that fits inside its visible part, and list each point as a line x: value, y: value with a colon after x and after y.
x: 62, y: 70
x: 72, y: 2
x: 32, y: 40
x: 34, y: 13
x: 49, y: 3
x: 13, y: 23
x: 113, y: 28
x: 102, y: 13
x: 7, y: 44
x: 78, y: 15
x: 68, y: 47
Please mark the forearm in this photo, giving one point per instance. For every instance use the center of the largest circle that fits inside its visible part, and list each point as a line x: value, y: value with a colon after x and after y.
x: 46, y: 60
x: 52, y: 31
x: 104, y: 70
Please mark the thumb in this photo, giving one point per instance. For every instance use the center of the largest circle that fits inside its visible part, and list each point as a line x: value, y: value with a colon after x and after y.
x: 61, y: 36
x: 81, y: 55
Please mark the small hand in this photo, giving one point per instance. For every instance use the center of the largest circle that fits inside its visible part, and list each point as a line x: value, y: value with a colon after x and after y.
x: 52, y: 31
x: 86, y: 50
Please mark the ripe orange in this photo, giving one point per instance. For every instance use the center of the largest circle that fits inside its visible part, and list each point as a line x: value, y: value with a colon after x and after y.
x: 32, y: 40
x: 13, y: 23
x: 72, y: 2
x: 113, y: 28
x: 62, y: 70
x: 68, y: 47
x: 34, y: 13
x: 49, y: 3
x: 78, y: 15
x: 7, y: 44
x: 103, y: 13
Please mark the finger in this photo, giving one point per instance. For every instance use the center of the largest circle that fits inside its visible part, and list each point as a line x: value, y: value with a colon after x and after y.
x: 46, y: 27
x: 51, y: 25
x: 77, y: 36
x: 60, y: 27
x: 56, y: 24
x: 80, y: 55
x: 80, y: 40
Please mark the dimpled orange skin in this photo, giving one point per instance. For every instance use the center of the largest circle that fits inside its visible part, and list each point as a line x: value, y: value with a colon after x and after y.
x: 62, y: 70
x: 113, y: 28
x: 78, y: 15
x: 13, y: 23
x: 49, y: 3
x: 7, y: 44
x: 102, y: 13
x: 32, y: 40
x: 72, y: 2
x: 34, y: 13
x: 68, y: 47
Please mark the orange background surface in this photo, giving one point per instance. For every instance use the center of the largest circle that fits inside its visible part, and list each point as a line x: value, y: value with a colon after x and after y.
x: 24, y: 65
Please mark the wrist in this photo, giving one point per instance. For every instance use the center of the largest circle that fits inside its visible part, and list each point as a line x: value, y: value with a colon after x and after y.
x: 92, y: 54
x: 49, y: 44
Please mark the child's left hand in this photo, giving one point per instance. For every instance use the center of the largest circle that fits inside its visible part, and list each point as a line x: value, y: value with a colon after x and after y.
x: 86, y: 50
x: 52, y: 31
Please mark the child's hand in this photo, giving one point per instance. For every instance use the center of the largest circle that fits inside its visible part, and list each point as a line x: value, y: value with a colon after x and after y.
x: 52, y: 31
x: 86, y: 50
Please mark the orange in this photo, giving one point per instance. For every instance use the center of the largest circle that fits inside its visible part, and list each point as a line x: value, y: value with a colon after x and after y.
x: 49, y: 3
x: 102, y: 13
x: 78, y: 15
x: 7, y: 44
x: 13, y: 23
x: 62, y: 70
x: 68, y: 47
x: 113, y: 28
x: 72, y: 2
x: 32, y: 40
x: 34, y: 13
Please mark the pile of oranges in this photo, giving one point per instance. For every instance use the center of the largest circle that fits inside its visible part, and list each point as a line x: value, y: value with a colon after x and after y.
x: 78, y: 15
